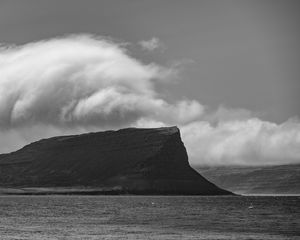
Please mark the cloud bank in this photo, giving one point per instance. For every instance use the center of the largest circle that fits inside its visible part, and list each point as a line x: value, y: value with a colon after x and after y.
x: 84, y: 83
x: 81, y: 80
x: 245, y: 142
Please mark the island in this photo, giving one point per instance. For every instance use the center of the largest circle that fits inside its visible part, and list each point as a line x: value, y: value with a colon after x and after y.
x: 143, y: 161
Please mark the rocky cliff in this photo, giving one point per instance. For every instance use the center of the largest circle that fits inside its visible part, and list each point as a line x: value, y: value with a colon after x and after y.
x: 137, y: 161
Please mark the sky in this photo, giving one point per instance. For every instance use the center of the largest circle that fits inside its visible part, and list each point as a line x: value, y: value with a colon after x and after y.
x: 225, y: 72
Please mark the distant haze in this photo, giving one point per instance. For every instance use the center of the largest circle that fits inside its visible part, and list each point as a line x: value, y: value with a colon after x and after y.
x: 225, y: 73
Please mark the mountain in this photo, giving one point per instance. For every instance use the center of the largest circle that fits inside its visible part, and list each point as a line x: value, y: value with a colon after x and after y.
x: 282, y: 179
x: 132, y: 161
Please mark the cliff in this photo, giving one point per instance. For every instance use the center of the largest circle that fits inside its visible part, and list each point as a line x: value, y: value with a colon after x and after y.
x: 132, y: 161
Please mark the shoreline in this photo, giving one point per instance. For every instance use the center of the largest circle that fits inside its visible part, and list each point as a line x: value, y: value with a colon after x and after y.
x: 118, y: 192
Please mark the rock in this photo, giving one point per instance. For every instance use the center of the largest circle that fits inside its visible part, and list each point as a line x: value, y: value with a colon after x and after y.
x: 131, y: 161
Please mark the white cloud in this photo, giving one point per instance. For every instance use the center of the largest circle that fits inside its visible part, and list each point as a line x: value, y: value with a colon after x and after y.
x: 151, y: 44
x: 250, y: 142
x: 81, y: 80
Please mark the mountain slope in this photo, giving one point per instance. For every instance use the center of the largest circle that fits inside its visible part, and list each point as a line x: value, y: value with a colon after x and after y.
x: 141, y: 161
x: 282, y: 179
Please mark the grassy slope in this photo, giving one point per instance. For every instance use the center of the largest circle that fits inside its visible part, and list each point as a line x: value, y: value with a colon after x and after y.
x: 283, y: 179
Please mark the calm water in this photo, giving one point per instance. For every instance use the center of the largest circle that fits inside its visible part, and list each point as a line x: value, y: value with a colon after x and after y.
x: 144, y: 217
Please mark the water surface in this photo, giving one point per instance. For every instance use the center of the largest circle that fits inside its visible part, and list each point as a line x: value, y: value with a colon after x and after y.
x: 149, y: 217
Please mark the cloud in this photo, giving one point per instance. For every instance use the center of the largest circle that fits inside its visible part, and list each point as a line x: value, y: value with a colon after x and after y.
x: 82, y: 83
x: 152, y: 44
x: 82, y: 80
x: 243, y: 142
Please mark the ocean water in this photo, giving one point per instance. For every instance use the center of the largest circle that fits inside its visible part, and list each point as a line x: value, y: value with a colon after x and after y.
x: 149, y: 217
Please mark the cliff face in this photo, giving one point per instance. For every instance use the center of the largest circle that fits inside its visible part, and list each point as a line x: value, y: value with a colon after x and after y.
x: 141, y: 161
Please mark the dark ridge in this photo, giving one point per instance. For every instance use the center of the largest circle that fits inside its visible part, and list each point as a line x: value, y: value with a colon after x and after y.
x: 126, y: 161
x: 277, y: 179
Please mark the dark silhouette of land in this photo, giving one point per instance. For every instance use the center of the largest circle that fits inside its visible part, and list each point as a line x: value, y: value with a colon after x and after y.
x: 127, y: 161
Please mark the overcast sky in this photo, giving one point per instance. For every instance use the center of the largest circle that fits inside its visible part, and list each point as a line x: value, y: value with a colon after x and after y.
x: 225, y: 72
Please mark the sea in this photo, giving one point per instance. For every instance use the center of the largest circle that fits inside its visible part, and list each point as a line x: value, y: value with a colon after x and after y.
x: 149, y: 217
